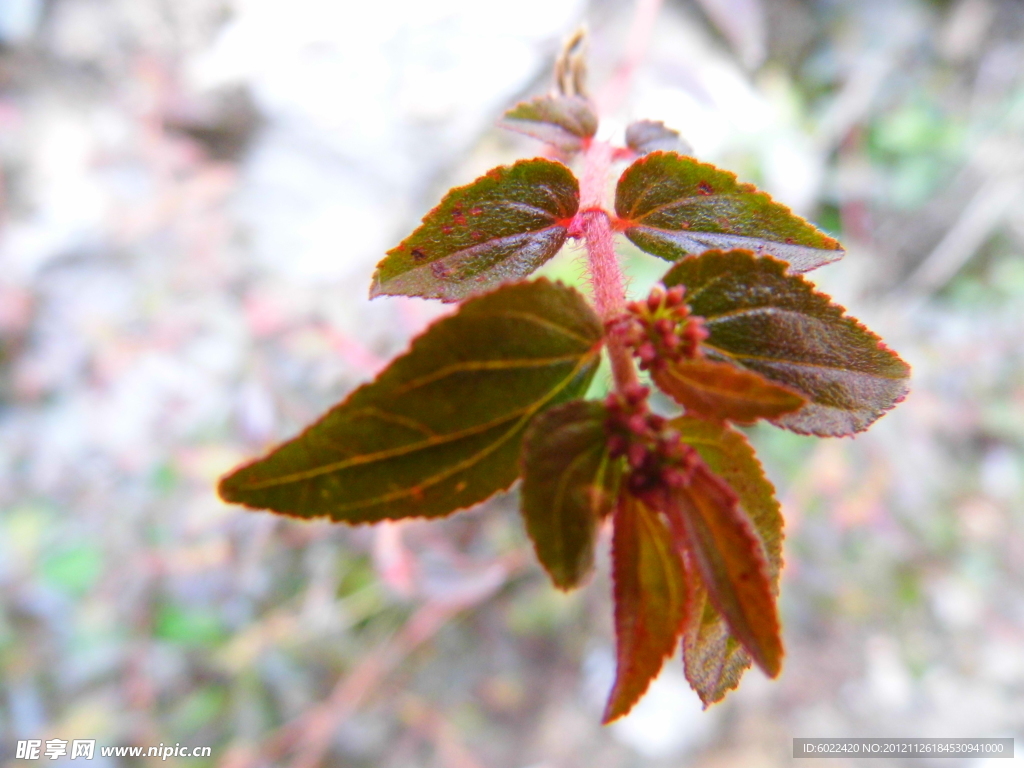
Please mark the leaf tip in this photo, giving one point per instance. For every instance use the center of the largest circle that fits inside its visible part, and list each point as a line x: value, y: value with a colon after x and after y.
x: 620, y: 705
x: 228, y: 487
x: 223, y: 490
x: 376, y: 288
x: 611, y: 714
x: 769, y: 659
x: 622, y: 699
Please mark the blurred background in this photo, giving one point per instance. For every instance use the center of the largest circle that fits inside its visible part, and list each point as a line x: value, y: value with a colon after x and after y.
x: 193, y: 195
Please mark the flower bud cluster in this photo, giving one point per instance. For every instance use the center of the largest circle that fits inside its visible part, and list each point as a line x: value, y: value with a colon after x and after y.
x: 657, y: 457
x: 661, y: 329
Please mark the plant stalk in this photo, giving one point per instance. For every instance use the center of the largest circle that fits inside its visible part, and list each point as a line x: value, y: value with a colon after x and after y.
x: 602, y: 261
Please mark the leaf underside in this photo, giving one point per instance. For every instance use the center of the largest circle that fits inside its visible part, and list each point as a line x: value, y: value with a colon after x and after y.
x: 650, y: 601
x: 732, y: 563
x: 562, y: 121
x: 777, y: 325
x: 714, y: 659
x: 644, y: 136
x: 569, y: 485
x: 440, y: 429
x: 723, y: 391
x: 671, y: 206
x: 499, y: 228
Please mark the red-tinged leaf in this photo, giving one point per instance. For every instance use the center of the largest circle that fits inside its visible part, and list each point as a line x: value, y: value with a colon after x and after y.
x: 650, y: 601
x: 776, y: 324
x: 562, y: 121
x: 569, y: 485
x: 731, y: 560
x: 441, y: 428
x: 499, y: 228
x: 724, y: 391
x: 714, y: 659
x: 731, y: 458
x: 645, y: 136
x: 672, y: 206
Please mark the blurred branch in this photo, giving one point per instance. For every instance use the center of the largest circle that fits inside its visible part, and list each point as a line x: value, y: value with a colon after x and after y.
x: 854, y: 101
x: 312, y: 731
x: 434, y: 726
x: 976, y: 223
x: 742, y: 22
x: 615, y: 90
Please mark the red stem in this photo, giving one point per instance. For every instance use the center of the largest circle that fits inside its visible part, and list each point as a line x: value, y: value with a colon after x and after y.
x: 603, y: 263
x: 592, y: 222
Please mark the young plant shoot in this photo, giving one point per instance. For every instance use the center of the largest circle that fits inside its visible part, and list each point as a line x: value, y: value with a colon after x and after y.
x: 494, y: 392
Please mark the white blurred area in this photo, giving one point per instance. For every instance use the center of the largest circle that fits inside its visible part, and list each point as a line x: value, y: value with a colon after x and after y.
x: 366, y: 104
x: 363, y: 107
x: 193, y: 196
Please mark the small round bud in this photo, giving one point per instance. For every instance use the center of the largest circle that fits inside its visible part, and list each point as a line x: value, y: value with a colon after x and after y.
x: 656, y: 298
x: 617, y: 446
x: 636, y: 455
x: 636, y: 394
x: 655, y: 422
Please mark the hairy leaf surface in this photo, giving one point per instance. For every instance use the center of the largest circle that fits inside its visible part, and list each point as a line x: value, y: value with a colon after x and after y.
x: 672, y: 206
x: 569, y: 485
x: 440, y: 429
x: 776, y: 324
x: 650, y: 601
x: 723, y: 391
x: 562, y: 121
x: 499, y: 228
x: 714, y: 659
x: 644, y: 136
x: 732, y: 564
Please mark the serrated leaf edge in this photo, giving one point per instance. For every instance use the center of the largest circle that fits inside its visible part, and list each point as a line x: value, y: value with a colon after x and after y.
x: 526, y: 413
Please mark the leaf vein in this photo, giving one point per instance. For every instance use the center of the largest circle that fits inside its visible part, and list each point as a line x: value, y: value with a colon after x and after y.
x: 481, y: 365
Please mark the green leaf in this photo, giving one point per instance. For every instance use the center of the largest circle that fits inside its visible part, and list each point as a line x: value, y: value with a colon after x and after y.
x: 189, y: 625
x: 569, y: 485
x: 714, y: 659
x: 644, y: 136
x: 671, y: 206
x: 731, y: 559
x: 499, y: 228
x: 723, y: 391
x: 776, y: 324
x: 562, y: 121
x: 650, y: 601
x: 74, y: 570
x: 440, y: 429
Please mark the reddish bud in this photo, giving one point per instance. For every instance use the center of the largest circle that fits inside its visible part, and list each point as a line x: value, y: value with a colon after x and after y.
x: 636, y: 394
x: 617, y: 446
x: 636, y: 455
x: 661, y: 329
x: 646, y: 352
x: 637, y: 424
x: 654, y: 300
